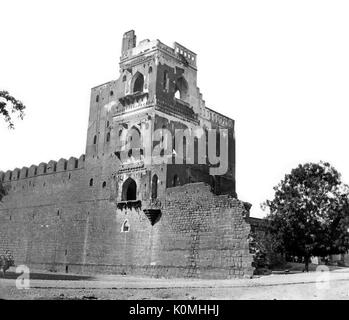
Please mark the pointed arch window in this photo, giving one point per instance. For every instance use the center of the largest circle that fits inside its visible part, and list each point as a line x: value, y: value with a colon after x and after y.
x: 137, y: 82
x: 154, y: 187
x: 175, y: 181
x: 165, y: 81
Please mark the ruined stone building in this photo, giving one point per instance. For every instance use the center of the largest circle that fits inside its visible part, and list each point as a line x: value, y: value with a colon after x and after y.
x: 112, y: 210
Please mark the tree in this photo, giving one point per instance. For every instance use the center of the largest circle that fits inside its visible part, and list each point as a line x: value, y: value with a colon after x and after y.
x: 10, y: 105
x: 309, y: 215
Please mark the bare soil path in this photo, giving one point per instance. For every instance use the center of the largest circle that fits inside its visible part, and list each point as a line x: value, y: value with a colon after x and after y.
x: 313, y: 285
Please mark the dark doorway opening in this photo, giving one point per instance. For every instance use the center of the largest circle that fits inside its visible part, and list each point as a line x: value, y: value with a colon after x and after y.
x: 138, y: 83
x: 175, y: 181
x: 129, y: 190
x: 154, y: 187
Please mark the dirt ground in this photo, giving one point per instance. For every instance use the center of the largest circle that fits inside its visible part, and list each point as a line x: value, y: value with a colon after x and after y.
x: 313, y: 285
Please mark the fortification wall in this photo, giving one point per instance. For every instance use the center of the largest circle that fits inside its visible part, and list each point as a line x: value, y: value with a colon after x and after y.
x: 77, y: 228
x: 201, y: 235
x: 40, y: 201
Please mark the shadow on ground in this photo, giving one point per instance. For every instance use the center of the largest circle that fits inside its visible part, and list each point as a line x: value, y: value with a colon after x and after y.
x: 48, y: 276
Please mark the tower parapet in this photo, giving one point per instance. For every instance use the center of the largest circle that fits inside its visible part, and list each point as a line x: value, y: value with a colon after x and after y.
x: 128, y: 42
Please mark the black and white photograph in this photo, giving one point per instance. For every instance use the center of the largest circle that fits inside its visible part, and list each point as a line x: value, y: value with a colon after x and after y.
x: 166, y: 151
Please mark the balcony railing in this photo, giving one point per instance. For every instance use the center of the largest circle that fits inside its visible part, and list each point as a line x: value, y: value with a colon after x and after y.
x: 133, y: 101
x: 129, y: 204
x: 130, y: 166
x: 178, y: 108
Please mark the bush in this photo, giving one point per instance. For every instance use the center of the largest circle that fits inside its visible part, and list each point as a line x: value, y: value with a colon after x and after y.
x: 6, y: 261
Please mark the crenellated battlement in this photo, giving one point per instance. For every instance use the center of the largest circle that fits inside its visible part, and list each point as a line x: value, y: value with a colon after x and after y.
x: 52, y: 167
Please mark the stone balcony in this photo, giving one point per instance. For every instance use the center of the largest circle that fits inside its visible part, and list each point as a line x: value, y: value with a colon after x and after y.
x: 151, y: 208
x: 178, y: 108
x: 131, y: 166
x: 134, y: 101
x: 129, y: 204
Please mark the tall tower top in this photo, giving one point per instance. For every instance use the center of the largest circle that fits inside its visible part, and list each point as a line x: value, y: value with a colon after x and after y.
x: 128, y: 41
x: 130, y: 49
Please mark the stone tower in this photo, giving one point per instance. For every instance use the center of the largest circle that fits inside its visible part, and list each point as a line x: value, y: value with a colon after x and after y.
x: 154, y: 99
x: 154, y: 192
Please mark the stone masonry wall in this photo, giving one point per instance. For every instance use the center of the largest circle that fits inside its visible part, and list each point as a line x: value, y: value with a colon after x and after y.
x: 68, y: 226
x: 204, y: 235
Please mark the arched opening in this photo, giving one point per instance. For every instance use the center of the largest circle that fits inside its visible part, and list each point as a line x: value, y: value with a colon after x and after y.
x: 184, y: 150
x: 206, y: 140
x: 165, y: 81
x: 175, y: 181
x: 108, y: 136
x: 94, y: 139
x: 138, y: 82
x: 212, y: 182
x: 134, y: 142
x: 218, y: 143
x: 91, y: 182
x: 154, y: 187
x: 181, y: 89
x: 125, y: 226
x: 129, y: 190
x: 196, y: 150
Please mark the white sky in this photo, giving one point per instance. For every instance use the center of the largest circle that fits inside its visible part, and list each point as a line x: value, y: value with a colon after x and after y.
x: 279, y: 68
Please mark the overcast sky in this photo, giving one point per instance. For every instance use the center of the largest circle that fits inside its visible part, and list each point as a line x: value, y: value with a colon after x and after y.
x: 279, y: 68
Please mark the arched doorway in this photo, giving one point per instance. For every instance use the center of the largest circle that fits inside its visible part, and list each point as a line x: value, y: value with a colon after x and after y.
x: 175, y: 181
x: 154, y: 187
x: 129, y: 190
